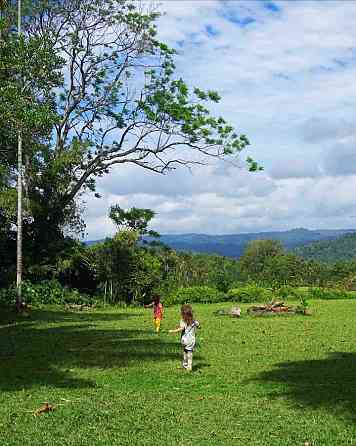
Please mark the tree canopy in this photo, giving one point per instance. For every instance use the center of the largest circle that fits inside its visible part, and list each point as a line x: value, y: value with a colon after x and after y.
x: 134, y: 219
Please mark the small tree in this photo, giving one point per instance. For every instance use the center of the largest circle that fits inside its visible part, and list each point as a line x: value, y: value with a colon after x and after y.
x: 256, y: 256
x: 134, y: 219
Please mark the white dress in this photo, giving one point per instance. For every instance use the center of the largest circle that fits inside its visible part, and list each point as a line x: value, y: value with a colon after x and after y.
x: 188, y: 335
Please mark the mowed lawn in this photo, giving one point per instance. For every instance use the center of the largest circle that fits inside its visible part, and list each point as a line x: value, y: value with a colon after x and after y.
x: 283, y: 380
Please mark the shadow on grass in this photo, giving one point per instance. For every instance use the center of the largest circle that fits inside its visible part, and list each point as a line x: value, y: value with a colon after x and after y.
x: 321, y: 383
x: 80, y: 316
x: 201, y: 364
x: 33, y: 354
x: 10, y: 317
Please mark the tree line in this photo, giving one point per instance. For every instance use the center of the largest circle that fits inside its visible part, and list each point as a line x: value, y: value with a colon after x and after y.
x: 131, y: 267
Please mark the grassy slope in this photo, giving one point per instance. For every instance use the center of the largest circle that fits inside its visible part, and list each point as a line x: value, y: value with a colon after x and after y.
x: 267, y: 381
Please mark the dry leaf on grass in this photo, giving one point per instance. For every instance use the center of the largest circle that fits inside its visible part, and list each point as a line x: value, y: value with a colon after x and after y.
x: 46, y: 407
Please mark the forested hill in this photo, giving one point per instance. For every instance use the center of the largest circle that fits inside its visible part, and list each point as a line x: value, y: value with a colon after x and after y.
x: 330, y: 251
x: 233, y: 245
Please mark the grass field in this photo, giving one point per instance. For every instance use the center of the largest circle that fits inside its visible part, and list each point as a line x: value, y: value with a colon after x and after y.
x: 283, y: 380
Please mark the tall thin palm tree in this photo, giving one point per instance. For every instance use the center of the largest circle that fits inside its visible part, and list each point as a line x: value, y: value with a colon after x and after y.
x: 19, y: 195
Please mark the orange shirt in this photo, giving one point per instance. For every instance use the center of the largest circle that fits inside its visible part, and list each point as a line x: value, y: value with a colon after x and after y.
x: 158, y: 311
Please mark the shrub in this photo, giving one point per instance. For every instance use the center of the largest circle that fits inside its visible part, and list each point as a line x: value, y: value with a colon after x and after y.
x: 46, y: 292
x: 302, y: 293
x: 195, y: 294
x: 250, y: 293
x: 222, y: 282
x: 349, y: 283
x: 291, y: 293
x: 237, y: 284
x: 285, y: 292
x: 7, y: 297
x: 330, y: 293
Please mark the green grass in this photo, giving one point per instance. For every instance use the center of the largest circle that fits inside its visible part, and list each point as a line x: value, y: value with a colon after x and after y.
x: 258, y: 381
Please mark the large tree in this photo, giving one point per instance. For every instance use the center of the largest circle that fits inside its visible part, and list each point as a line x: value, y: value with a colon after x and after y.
x: 119, y: 103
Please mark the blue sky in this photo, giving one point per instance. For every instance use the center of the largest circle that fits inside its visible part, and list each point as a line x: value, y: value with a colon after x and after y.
x: 286, y: 71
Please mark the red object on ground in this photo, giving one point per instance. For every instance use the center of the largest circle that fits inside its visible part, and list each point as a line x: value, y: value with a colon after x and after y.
x: 280, y: 309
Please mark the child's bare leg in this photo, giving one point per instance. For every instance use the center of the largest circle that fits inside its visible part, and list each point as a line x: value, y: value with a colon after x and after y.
x: 185, y: 359
x: 157, y: 325
x: 189, y: 361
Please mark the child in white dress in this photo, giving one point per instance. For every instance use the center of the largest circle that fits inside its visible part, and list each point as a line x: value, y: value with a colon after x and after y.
x: 187, y: 327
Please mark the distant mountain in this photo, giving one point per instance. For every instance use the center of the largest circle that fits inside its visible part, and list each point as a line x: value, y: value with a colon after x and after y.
x: 93, y: 242
x: 330, y: 251
x: 233, y: 245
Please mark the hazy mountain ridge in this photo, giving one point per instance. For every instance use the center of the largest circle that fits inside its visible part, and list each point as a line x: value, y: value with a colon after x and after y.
x: 233, y: 245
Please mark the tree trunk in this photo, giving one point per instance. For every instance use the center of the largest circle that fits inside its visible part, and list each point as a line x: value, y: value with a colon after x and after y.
x: 19, y: 227
x: 19, y: 199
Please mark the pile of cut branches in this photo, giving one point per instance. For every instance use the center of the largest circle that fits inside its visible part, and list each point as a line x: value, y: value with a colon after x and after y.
x: 276, y: 308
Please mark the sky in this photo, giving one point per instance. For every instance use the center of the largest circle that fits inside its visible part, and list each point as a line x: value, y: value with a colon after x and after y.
x: 286, y: 71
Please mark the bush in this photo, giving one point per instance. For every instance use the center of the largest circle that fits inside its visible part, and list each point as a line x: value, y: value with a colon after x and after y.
x: 349, y: 283
x: 7, y: 297
x: 46, y: 292
x: 222, y: 282
x: 250, y: 293
x: 330, y: 293
x: 195, y: 294
x: 301, y: 293
x: 291, y: 293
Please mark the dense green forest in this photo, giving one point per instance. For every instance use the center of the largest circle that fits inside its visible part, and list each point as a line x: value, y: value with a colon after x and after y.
x: 330, y: 251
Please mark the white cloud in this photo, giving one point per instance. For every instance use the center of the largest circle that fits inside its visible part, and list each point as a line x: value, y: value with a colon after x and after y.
x: 287, y: 81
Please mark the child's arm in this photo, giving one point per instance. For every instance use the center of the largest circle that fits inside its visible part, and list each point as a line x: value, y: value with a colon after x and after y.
x: 197, y: 324
x: 149, y: 305
x: 177, y: 330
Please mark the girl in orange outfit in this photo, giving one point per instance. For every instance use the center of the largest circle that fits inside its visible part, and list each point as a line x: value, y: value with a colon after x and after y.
x: 157, y: 312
